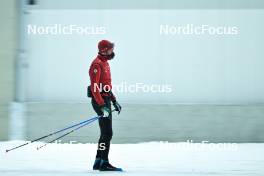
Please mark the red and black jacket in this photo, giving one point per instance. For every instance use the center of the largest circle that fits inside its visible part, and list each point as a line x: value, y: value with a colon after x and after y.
x: 100, y: 75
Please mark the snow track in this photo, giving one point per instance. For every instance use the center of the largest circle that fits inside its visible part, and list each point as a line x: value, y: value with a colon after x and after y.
x: 143, y: 159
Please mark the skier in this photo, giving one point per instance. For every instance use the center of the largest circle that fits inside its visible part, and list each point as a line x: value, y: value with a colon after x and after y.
x: 102, y: 96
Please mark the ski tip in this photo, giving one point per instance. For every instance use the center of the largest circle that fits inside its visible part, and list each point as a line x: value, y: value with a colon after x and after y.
x: 119, y: 170
x: 7, y: 151
x: 114, y: 170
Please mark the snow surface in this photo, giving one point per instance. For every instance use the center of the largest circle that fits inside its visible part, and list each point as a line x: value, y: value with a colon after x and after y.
x: 143, y: 159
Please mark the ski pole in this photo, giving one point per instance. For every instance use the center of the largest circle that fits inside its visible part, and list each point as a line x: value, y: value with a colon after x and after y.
x: 75, y: 129
x: 51, y: 134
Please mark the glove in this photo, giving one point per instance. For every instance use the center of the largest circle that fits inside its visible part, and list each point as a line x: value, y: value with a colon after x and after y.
x: 117, y: 106
x: 106, y: 111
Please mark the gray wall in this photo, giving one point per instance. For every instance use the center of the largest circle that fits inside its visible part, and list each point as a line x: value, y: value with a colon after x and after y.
x: 144, y: 122
x: 8, y: 18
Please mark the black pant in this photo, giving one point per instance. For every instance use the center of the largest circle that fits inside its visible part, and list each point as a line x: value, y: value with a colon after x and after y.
x: 106, y: 132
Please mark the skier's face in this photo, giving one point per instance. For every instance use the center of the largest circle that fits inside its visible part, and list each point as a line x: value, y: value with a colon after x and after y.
x: 110, y: 51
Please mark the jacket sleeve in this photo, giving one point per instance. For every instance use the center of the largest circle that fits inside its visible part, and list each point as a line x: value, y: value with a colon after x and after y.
x: 95, y: 73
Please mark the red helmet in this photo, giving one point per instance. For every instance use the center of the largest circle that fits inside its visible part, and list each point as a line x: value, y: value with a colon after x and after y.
x: 105, y: 45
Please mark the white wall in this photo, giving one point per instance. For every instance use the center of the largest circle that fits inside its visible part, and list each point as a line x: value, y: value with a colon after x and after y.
x: 201, y: 69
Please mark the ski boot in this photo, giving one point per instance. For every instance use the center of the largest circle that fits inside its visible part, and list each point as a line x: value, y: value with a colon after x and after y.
x: 97, y: 163
x: 106, y: 166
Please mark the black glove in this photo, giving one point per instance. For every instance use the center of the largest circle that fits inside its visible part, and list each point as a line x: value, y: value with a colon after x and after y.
x: 117, y: 106
x: 105, y: 110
